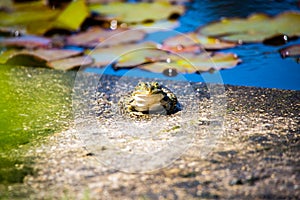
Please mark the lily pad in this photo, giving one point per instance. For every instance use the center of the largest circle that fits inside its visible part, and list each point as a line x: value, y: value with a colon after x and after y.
x: 137, y: 12
x: 38, y: 18
x: 26, y: 41
x: 255, y: 28
x: 35, y: 17
x: 290, y: 51
x: 155, y: 26
x: 105, y: 56
x: 191, y: 63
x: 95, y: 35
x: 70, y: 63
x: 141, y: 56
x: 72, y: 16
x: 157, y: 60
x: 53, y: 58
x: 192, y: 41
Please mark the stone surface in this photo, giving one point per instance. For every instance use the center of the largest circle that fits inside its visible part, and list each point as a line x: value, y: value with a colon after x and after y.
x: 257, y: 156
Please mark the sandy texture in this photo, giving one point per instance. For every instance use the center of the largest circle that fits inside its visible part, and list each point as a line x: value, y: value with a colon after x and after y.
x: 257, y: 156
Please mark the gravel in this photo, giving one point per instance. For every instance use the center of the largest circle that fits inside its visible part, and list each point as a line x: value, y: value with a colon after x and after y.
x: 243, y: 144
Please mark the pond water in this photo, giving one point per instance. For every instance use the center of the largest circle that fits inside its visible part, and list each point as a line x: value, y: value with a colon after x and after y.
x: 262, y: 65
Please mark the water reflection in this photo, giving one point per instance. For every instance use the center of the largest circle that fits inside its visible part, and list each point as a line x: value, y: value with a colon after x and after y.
x: 205, y: 11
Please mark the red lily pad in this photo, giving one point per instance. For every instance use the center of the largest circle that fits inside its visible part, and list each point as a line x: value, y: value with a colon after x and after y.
x: 255, y: 28
x: 54, y: 58
x: 26, y: 41
x: 95, y: 35
x: 70, y: 63
x: 290, y: 51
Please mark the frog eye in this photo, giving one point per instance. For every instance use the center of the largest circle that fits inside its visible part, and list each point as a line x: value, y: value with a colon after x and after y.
x: 155, y: 84
x: 141, y: 84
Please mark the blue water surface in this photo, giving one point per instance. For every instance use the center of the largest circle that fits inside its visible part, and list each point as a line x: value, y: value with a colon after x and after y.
x: 262, y: 65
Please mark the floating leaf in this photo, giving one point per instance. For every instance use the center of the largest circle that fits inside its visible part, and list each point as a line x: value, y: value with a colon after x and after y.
x: 255, y: 28
x: 161, y: 67
x: 137, y: 12
x: 155, y: 26
x: 95, y: 35
x: 51, y: 54
x: 191, y: 63
x: 293, y: 50
x: 34, y: 16
x: 73, y: 16
x: 26, y: 41
x: 53, y: 58
x: 191, y: 42
x: 156, y: 60
x: 141, y: 56
x: 70, y: 63
x: 105, y: 56
x: 5, y: 55
x: 38, y: 18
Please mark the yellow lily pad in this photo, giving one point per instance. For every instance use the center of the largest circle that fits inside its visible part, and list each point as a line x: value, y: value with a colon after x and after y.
x: 157, y: 60
x: 37, y: 18
x: 255, y: 28
x: 72, y: 16
x: 191, y: 63
x: 137, y: 12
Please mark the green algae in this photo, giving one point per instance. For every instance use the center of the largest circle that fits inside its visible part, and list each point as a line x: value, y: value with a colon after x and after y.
x: 34, y: 102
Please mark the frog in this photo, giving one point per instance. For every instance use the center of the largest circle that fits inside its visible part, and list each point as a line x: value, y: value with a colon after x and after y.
x: 149, y: 98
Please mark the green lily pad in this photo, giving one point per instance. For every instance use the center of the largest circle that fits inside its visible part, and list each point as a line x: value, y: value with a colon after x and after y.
x: 255, y: 28
x: 157, y: 60
x: 95, y: 35
x: 141, y: 56
x: 137, y: 12
x: 35, y: 17
x: 106, y: 55
x: 150, y: 57
x: 192, y: 41
x: 191, y: 63
x: 38, y: 18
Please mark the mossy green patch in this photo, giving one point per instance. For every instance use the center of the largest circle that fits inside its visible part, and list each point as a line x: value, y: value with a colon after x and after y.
x: 34, y: 102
